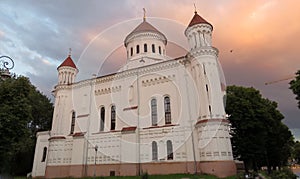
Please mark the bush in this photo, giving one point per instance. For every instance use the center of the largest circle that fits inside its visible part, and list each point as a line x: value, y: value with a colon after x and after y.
x: 285, y: 173
x: 145, y: 176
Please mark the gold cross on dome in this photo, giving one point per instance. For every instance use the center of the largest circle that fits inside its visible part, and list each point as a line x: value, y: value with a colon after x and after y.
x: 144, y: 14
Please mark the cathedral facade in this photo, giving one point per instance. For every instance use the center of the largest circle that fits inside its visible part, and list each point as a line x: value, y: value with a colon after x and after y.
x: 156, y: 114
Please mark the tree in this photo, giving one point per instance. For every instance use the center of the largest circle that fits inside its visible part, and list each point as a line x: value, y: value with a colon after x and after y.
x: 296, y: 151
x: 23, y: 112
x: 295, y: 87
x: 258, y: 135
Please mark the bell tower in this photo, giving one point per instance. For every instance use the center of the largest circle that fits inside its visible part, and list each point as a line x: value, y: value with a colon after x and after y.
x: 67, y: 71
x: 212, y: 127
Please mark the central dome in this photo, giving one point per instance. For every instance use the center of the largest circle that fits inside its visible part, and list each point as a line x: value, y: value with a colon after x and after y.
x: 145, y: 44
x: 144, y: 27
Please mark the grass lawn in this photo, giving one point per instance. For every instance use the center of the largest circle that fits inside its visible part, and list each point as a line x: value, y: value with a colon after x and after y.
x: 174, y: 176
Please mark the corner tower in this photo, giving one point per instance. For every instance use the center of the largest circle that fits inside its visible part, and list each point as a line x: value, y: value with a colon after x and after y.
x: 67, y: 71
x: 212, y: 127
x: 145, y: 44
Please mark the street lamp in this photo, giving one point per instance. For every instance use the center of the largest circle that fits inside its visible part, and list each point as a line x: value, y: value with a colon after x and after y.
x: 96, y: 150
x: 6, y: 63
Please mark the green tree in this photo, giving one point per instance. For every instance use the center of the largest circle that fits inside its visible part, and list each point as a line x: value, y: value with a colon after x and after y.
x: 295, y: 87
x: 296, y: 151
x: 258, y: 135
x: 23, y: 112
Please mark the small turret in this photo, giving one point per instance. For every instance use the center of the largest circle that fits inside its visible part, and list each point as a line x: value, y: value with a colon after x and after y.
x: 199, y: 32
x: 67, y: 71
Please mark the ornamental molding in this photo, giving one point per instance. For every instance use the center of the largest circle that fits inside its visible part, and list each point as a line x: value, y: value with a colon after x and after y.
x: 204, y: 51
x: 157, y: 80
x: 141, y: 35
x: 203, y: 28
x: 109, y: 90
x: 160, y: 66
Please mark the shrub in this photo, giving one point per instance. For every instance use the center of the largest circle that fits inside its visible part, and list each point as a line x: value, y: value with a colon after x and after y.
x: 285, y: 173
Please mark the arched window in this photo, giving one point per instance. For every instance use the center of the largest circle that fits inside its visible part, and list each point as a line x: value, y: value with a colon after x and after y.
x: 154, y: 112
x: 159, y: 50
x: 153, y: 48
x: 169, y: 150
x: 167, y: 110
x: 102, y: 118
x: 113, y: 118
x: 137, y: 49
x: 44, y: 154
x: 131, y: 51
x: 145, y: 48
x: 154, y: 151
x: 73, y: 122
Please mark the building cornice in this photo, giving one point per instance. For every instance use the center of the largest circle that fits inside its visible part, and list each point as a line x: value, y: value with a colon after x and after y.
x: 164, y: 65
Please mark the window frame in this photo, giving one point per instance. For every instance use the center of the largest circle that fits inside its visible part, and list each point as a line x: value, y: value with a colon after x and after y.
x: 153, y: 48
x: 167, y: 108
x: 170, y: 155
x: 113, y: 117
x: 102, y: 118
x: 145, y: 48
x: 73, y: 119
x: 154, y: 114
x: 154, y: 151
x: 44, y: 154
x: 137, y: 49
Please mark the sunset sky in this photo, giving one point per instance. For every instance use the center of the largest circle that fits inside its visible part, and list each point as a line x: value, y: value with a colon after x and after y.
x: 258, y: 40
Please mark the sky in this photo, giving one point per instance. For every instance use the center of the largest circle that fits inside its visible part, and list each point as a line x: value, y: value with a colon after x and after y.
x: 258, y: 40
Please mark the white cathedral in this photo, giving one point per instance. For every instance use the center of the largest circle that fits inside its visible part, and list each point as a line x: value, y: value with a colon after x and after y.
x: 156, y: 115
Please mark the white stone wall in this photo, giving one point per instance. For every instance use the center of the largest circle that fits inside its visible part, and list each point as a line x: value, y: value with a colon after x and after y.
x: 39, y: 166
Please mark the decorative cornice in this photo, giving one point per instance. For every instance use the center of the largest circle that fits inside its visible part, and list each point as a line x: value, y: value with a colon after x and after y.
x: 57, y: 138
x: 157, y: 80
x: 164, y: 65
x: 205, y: 28
x: 152, y: 35
x: 83, y: 115
x: 202, y: 122
x: 204, y: 51
x: 130, y: 108
x: 102, y: 91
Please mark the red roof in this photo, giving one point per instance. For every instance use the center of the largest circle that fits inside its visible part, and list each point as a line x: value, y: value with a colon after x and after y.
x: 125, y: 129
x: 68, y: 62
x: 198, y: 20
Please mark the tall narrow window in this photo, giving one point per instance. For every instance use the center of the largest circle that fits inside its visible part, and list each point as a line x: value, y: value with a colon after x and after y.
x: 113, y: 118
x: 137, y: 49
x: 145, y: 48
x: 153, y: 48
x: 159, y: 50
x: 154, y: 112
x: 154, y: 151
x: 102, y: 118
x: 131, y: 51
x: 44, y: 154
x: 167, y: 110
x: 73, y: 122
x: 169, y: 150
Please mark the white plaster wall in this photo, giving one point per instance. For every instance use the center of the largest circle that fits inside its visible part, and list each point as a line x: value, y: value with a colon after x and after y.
x: 39, y: 167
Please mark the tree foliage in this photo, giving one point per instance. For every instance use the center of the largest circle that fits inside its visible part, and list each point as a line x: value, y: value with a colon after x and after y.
x: 23, y: 112
x: 259, y: 137
x: 295, y: 87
